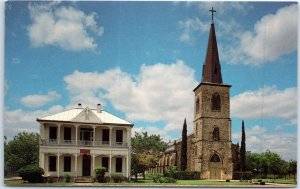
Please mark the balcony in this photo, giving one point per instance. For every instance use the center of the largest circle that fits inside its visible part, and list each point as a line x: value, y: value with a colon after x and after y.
x: 54, y: 142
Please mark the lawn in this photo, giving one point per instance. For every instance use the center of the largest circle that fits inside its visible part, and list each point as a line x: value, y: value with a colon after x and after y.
x: 151, y: 183
x: 138, y: 183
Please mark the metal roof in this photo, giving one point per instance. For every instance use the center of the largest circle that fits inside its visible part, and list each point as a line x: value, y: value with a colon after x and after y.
x: 74, y: 115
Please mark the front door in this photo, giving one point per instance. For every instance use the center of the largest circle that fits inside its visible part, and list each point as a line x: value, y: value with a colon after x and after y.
x: 86, y: 165
x: 215, y: 172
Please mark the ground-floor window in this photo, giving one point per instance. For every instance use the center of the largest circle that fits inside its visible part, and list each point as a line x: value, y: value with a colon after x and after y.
x: 105, y: 163
x: 52, y: 163
x: 118, y: 164
x: 67, y: 164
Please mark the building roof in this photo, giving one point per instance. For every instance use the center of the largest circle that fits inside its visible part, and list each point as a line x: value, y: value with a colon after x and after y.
x: 85, y: 115
x: 211, y: 72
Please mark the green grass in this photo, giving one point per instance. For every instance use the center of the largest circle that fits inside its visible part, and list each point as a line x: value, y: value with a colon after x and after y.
x: 150, y: 183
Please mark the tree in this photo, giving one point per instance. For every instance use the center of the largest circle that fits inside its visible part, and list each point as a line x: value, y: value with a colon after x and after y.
x: 146, y: 150
x: 183, y: 159
x: 21, y: 151
x: 292, y: 167
x: 243, y: 148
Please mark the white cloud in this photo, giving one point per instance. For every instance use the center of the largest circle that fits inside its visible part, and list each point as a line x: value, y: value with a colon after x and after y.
x: 266, y: 102
x: 273, y: 36
x: 66, y: 27
x: 259, y: 139
x: 19, y: 120
x: 38, y: 100
x: 190, y: 27
x: 222, y: 7
x: 159, y: 92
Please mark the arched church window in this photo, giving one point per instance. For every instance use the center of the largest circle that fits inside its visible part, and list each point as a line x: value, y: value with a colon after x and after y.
x: 197, y: 105
x: 215, y: 158
x: 216, y: 102
x: 215, y: 134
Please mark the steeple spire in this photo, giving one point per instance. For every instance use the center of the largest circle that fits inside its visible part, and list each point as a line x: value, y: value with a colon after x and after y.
x: 211, y: 72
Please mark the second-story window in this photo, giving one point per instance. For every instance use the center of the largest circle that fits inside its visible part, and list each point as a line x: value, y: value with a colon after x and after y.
x: 119, y: 136
x: 105, y: 135
x: 53, y: 133
x: 197, y: 105
x: 67, y: 133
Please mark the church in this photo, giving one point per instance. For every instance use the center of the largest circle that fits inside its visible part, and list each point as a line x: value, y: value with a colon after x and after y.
x: 210, y: 150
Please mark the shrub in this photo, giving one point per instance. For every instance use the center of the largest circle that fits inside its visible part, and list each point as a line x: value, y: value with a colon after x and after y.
x: 117, y: 177
x: 167, y: 180
x: 186, y: 175
x: 99, y: 173
x: 67, y: 178
x: 32, y: 173
x: 156, y: 177
x: 170, y: 172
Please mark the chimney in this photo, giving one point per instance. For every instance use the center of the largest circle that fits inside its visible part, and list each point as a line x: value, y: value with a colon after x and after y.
x: 79, y: 105
x: 98, y: 108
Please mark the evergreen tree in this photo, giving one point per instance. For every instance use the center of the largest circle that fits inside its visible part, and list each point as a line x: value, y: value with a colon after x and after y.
x: 243, y: 148
x: 183, y: 159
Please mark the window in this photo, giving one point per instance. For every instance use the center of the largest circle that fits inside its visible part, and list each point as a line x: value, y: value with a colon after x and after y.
x: 67, y: 164
x: 52, y: 133
x: 119, y: 136
x: 197, y: 105
x: 67, y: 133
x: 216, y: 102
x: 52, y: 163
x: 216, y: 135
x: 119, y: 165
x: 215, y: 158
x: 105, y: 163
x: 105, y: 135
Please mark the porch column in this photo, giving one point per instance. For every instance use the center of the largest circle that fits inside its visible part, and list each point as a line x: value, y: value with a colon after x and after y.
x: 76, y: 135
x: 58, y: 155
x: 110, y: 136
x: 42, y: 130
x: 94, y: 135
x: 76, y: 155
x: 58, y: 135
x: 127, y: 166
x: 93, y: 165
x: 110, y: 164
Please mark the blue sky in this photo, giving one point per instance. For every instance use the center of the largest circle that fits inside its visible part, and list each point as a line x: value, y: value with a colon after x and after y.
x: 142, y: 60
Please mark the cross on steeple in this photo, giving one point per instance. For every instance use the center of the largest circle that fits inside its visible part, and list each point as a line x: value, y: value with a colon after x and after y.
x: 212, y: 13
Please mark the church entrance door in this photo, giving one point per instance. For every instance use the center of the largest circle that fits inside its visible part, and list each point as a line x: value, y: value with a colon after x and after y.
x: 215, y: 167
x: 215, y: 170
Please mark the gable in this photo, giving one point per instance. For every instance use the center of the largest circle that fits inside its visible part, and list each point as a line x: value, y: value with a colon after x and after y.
x: 87, y: 116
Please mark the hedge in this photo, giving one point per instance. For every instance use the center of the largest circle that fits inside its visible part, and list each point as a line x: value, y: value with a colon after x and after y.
x: 187, y: 175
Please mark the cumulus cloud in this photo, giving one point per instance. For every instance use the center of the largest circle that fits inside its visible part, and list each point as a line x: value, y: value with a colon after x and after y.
x: 259, y: 139
x: 63, y: 26
x: 266, y: 102
x: 19, y: 120
x: 158, y: 92
x: 273, y: 36
x: 190, y: 27
x: 38, y: 100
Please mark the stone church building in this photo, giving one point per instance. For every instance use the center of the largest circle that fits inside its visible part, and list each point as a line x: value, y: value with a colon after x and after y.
x: 210, y: 150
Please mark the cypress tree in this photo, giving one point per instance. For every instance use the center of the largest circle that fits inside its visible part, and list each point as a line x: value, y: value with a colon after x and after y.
x: 243, y: 148
x: 183, y: 159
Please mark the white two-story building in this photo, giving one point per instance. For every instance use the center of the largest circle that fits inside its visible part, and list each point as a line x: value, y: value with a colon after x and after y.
x: 76, y: 141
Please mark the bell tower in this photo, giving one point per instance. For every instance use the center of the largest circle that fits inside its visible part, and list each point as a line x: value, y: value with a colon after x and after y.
x: 212, y: 123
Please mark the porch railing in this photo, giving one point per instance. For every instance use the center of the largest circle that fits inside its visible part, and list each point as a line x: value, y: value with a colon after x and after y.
x: 97, y: 143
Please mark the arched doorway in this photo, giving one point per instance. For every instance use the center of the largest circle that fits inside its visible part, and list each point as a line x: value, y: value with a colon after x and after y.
x: 215, y: 167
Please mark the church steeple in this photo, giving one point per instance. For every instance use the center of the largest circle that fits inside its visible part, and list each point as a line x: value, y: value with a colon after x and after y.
x: 211, y: 72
